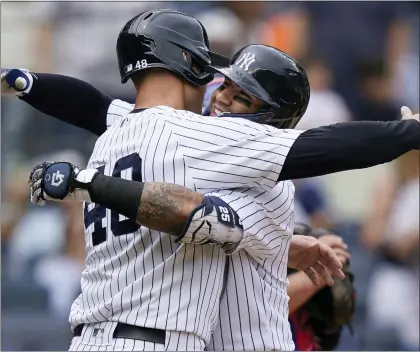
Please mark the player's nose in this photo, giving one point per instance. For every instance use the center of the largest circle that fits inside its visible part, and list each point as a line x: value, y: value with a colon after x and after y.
x: 224, y: 97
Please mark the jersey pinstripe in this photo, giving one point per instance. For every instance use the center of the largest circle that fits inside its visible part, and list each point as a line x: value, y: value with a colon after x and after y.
x: 254, y: 310
x: 142, y: 277
x: 248, y: 319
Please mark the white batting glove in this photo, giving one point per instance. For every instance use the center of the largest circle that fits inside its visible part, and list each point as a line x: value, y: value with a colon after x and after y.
x: 408, y: 115
x: 60, y: 181
x: 15, y: 82
x: 214, y: 222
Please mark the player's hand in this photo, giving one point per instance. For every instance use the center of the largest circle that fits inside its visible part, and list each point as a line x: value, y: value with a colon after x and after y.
x: 408, y: 115
x: 316, y: 259
x: 337, y: 244
x: 15, y: 82
x: 59, y: 181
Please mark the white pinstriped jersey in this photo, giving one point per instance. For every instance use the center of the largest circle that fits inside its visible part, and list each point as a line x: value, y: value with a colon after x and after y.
x: 141, y: 277
x: 254, y: 308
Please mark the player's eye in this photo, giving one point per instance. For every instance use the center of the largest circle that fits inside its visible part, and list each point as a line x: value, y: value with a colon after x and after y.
x: 226, y: 83
x: 222, y: 87
x: 243, y: 100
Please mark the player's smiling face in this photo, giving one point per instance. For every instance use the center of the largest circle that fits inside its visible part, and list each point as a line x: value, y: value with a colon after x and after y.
x: 229, y: 97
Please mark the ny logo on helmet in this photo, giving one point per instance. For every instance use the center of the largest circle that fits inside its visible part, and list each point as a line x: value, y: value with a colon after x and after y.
x: 245, y: 61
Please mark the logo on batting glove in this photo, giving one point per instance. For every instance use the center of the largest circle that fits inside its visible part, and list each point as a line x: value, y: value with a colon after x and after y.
x: 56, y: 180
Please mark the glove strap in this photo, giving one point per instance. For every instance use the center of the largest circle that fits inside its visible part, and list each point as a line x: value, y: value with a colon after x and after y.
x: 85, y: 178
x: 82, y: 183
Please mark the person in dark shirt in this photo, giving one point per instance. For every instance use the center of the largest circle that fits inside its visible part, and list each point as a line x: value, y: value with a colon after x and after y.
x: 375, y: 85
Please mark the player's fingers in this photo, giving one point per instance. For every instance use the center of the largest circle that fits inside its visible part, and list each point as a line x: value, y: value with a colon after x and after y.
x: 333, y: 241
x: 40, y: 201
x: 338, y: 273
x: 33, y: 189
x: 39, y: 197
x: 31, y: 195
x: 34, y: 170
x: 337, y: 242
x: 35, y: 195
x: 324, y: 273
x: 329, y: 258
x: 313, y: 276
x: 37, y: 175
x: 338, y: 246
x: 406, y: 112
x: 332, y: 262
x: 38, y: 172
x: 333, y: 270
x: 343, y: 255
x: 37, y: 184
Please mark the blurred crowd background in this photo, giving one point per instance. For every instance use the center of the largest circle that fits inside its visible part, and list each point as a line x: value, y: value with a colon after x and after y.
x: 362, y: 59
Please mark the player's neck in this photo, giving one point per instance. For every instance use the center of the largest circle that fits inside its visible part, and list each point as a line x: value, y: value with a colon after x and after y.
x: 160, y: 89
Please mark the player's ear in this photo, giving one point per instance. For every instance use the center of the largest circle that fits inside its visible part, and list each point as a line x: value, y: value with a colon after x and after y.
x: 194, y: 97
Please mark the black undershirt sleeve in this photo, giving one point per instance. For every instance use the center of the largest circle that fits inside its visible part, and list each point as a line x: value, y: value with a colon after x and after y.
x: 315, y: 152
x: 348, y: 146
x: 70, y: 100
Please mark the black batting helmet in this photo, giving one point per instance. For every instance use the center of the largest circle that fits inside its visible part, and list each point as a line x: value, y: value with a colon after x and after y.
x: 166, y: 39
x: 275, y: 78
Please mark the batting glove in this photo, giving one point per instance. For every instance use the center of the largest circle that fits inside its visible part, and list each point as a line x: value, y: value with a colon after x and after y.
x: 214, y: 222
x: 15, y: 82
x: 408, y: 115
x: 58, y: 181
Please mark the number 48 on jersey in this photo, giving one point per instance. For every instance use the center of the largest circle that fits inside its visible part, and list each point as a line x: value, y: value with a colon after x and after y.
x: 97, y: 215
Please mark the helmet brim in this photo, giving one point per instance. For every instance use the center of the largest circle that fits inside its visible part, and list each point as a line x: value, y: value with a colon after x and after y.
x: 245, y: 81
x: 218, y: 60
